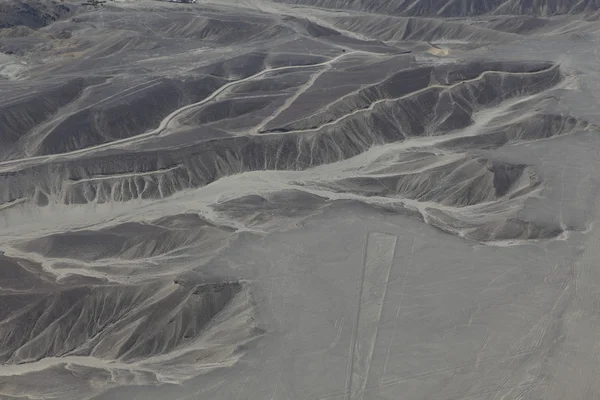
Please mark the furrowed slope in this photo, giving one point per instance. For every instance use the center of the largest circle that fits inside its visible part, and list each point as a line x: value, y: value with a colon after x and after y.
x: 115, y: 322
x: 454, y: 8
x: 431, y: 111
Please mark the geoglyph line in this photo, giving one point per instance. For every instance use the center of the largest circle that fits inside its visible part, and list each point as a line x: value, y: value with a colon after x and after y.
x: 374, y: 279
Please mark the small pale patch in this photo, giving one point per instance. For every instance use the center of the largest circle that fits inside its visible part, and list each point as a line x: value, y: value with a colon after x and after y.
x: 438, y: 51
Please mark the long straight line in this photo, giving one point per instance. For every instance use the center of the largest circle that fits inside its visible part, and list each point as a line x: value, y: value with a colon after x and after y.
x: 350, y: 369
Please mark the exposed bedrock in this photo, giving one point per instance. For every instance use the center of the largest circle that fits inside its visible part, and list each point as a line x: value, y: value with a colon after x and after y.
x: 493, y: 222
x: 136, y: 109
x: 226, y: 109
x: 455, y: 8
x: 132, y: 240
x: 33, y: 13
x: 218, y: 30
x: 124, y: 322
x: 153, y: 174
x: 214, y: 28
x: 398, y: 29
x: 485, y: 222
x: 533, y: 127
x: 518, y: 24
x: 256, y: 211
x: 464, y: 182
x: 132, y: 114
x: 413, y: 81
x: 20, y: 116
x: 249, y: 64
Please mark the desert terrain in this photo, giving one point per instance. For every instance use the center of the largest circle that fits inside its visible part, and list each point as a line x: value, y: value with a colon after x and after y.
x: 300, y: 200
